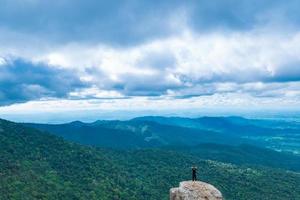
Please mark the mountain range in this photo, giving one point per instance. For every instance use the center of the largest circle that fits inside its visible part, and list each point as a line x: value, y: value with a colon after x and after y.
x: 43, y: 161
x: 161, y: 131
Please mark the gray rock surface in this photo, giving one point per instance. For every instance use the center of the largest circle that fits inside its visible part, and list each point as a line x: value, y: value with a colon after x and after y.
x: 195, y: 190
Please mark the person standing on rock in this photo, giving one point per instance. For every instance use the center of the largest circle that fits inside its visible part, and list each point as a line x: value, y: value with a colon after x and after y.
x: 194, y: 173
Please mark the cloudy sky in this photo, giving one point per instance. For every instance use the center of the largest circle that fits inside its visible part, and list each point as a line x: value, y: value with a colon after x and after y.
x: 91, y: 57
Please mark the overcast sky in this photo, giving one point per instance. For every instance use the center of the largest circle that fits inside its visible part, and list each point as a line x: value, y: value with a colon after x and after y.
x: 155, y: 56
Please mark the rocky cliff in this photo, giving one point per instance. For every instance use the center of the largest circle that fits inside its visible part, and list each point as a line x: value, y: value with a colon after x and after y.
x: 195, y: 190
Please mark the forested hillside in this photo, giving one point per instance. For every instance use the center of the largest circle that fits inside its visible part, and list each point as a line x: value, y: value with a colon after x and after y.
x: 242, y: 155
x: 36, y: 165
x: 145, y: 132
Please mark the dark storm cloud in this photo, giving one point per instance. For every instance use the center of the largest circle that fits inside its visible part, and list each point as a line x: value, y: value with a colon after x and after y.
x: 129, y: 22
x: 21, y: 81
x: 286, y: 73
x: 115, y: 21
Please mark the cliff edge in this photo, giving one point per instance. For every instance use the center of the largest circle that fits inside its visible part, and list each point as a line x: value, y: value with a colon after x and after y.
x: 195, y: 190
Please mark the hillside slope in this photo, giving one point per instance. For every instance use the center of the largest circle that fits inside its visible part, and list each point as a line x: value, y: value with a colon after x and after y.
x: 134, y: 134
x: 158, y: 131
x: 36, y: 165
x: 242, y: 155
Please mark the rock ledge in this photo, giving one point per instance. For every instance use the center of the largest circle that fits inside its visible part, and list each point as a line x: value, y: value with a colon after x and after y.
x: 195, y: 190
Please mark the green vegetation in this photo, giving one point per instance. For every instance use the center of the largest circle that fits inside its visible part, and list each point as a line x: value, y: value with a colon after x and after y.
x: 146, y: 132
x: 35, y: 165
x: 242, y: 155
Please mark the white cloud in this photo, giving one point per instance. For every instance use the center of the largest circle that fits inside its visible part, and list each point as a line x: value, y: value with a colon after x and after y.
x: 2, y: 61
x: 95, y: 92
x: 235, y: 65
x: 252, y: 55
x: 226, y: 100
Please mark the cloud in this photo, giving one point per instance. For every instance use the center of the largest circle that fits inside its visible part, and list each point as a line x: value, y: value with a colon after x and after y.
x: 181, y: 66
x: 23, y: 81
x: 187, y: 61
x: 94, y: 108
x: 289, y: 71
x: 128, y: 23
x: 125, y: 50
x: 113, y: 22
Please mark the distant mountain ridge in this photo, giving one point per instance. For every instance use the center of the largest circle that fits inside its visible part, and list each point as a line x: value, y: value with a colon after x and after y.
x: 156, y: 131
x: 133, y: 134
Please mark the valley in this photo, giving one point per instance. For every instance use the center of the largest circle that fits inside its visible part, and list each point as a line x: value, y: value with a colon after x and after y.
x: 40, y: 164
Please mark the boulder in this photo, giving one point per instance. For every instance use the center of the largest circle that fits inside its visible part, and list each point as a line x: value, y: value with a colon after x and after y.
x: 195, y: 190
